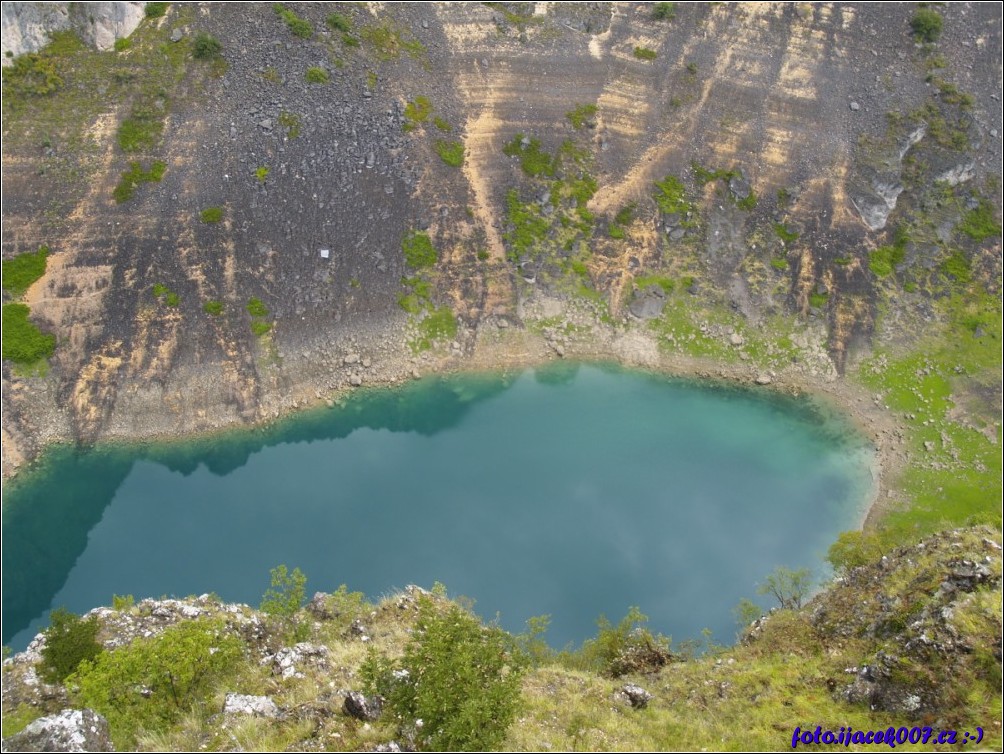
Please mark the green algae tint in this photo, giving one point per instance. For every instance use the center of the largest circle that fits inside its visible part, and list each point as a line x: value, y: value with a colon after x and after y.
x: 569, y: 490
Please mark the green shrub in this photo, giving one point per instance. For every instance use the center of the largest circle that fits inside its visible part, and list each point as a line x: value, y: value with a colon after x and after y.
x: 418, y: 250
x: 533, y: 160
x: 580, y: 115
x: 286, y: 594
x: 298, y: 26
x: 417, y: 111
x: 122, y: 44
x: 349, y: 41
x: 214, y: 308
x: 853, y: 549
x: 159, y: 289
x: 23, y: 342
x: 261, y: 173
x: 450, y: 152
x: 149, y: 684
x: 291, y: 122
x: 438, y: 324
x: 625, y: 215
x: 123, y: 602
x: 463, y: 680
x: 664, y: 11
x: 155, y: 10
x: 528, y: 227
x: 69, y: 641
x: 260, y: 327
x: 31, y: 75
x: 211, y: 214
x: 628, y: 647
x: 317, y: 75
x: 884, y: 259
x: 779, y: 263
x: 644, y: 53
x: 256, y: 308
x: 442, y: 125
x: 172, y: 299
x: 789, y: 587
x: 134, y: 176
x: 786, y: 235
x: 926, y: 25
x: 818, y: 300
x: 670, y: 196
x: 981, y: 223
x: 23, y: 270
x: 206, y: 46
x: 339, y: 22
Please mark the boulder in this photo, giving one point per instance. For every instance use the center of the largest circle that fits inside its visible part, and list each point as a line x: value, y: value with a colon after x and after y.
x: 70, y: 730
x: 637, y: 697
x: 245, y: 704
x: 363, y: 707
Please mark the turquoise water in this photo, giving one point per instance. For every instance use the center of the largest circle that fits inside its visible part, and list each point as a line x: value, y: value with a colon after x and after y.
x: 570, y: 490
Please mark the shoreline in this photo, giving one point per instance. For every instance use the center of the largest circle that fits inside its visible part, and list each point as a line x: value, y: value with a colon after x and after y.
x: 522, y: 349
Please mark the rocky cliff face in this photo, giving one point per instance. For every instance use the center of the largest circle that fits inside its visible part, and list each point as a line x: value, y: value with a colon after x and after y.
x: 27, y: 27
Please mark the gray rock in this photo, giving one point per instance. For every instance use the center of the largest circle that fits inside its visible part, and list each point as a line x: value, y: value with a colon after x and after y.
x: 677, y: 233
x: 637, y: 697
x: 855, y: 106
x: 736, y: 339
x: 763, y: 379
x: 177, y: 35
x: 363, y: 707
x: 245, y: 704
x: 648, y: 304
x: 739, y: 187
x: 70, y: 730
x: 389, y: 746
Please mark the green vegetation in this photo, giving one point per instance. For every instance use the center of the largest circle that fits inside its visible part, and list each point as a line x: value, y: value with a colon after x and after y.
x: 670, y: 196
x: 156, y: 10
x: 442, y: 125
x: 623, y: 218
x: 172, y: 299
x: 463, y: 680
x: 261, y: 173
x: 418, y: 297
x: 298, y: 26
x: 141, y: 130
x: 788, y: 587
x: 388, y: 42
x: 664, y: 11
x: 450, y: 152
x: 31, y: 75
x: 580, y: 115
x: 418, y: 250
x: 69, y: 641
x: 818, y: 300
x: 981, y: 223
x: 286, y: 593
x: 416, y: 112
x: 149, y: 684
x: 206, y: 47
x: 957, y: 266
x: 528, y: 227
x: 787, y: 235
x: 628, y: 647
x: 136, y: 175
x: 122, y: 44
x: 644, y: 281
x: 926, y: 25
x: 23, y: 342
x: 692, y: 68
x: 339, y: 22
x: 260, y: 327
x: 644, y: 53
x: 256, y: 308
x: 885, y: 259
x: 533, y: 160
x: 317, y: 75
x: 438, y: 324
x: 748, y: 202
x: 211, y: 214
x: 159, y: 289
x: 21, y: 271
x: 291, y: 122
x: 703, y: 176
x: 215, y: 308
x: 779, y: 263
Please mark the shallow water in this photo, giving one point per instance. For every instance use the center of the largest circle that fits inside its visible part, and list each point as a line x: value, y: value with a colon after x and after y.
x: 570, y: 490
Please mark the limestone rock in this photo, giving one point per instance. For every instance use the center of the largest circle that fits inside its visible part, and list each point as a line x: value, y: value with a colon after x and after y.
x: 70, y: 730
x: 636, y: 696
x: 246, y: 704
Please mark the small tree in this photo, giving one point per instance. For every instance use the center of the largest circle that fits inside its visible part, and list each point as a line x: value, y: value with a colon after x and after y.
x: 206, y: 46
x: 286, y: 594
x: 788, y: 587
x: 69, y: 640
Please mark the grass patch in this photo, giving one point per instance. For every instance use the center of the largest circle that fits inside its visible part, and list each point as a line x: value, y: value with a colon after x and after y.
x: 134, y: 177
x: 748, y: 202
x: 261, y: 173
x: 644, y: 53
x: 704, y: 176
x: 779, y: 263
x: 23, y: 270
x: 442, y: 125
x: 23, y: 342
x: 450, y: 152
x: 416, y: 112
x: 388, y: 42
x: 299, y: 27
x: 417, y: 296
x: 206, y: 47
x: 438, y: 324
x: 532, y: 159
x: 528, y: 228
x: 291, y: 122
x: 580, y: 115
x: 122, y: 44
x: 818, y: 300
x: 670, y: 196
x: 418, y: 250
x: 339, y: 22
x: 958, y: 267
x: 156, y: 10
x: 260, y: 327
x: 926, y: 25
x: 215, y: 308
x: 885, y: 259
x: 211, y: 214
x: 317, y: 75
x: 666, y: 283
x: 664, y: 12
x: 787, y: 235
x: 981, y: 223
x: 141, y: 130
x: 256, y: 308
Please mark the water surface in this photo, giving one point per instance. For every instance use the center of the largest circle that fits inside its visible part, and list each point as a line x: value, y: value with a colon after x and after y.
x: 569, y: 490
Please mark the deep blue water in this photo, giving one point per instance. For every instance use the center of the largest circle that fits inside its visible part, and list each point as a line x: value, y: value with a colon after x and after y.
x: 569, y: 490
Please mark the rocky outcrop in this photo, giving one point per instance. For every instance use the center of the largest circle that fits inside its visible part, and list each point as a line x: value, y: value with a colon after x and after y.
x: 70, y: 730
x: 26, y: 27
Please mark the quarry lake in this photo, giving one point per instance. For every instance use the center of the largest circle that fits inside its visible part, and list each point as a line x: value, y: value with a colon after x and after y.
x: 571, y: 490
